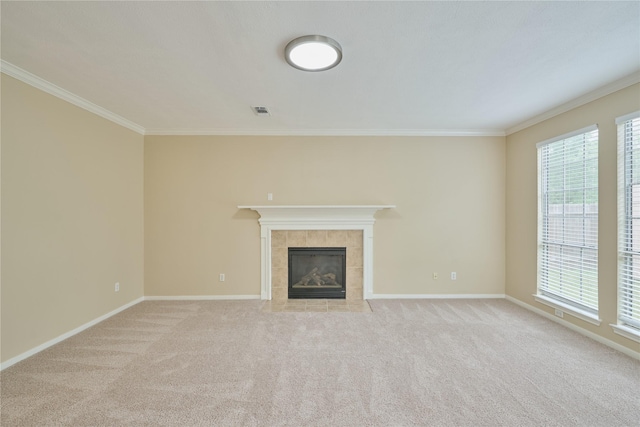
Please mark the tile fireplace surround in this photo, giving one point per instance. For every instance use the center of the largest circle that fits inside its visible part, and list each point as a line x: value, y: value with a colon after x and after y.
x: 316, y: 226
x: 282, y: 240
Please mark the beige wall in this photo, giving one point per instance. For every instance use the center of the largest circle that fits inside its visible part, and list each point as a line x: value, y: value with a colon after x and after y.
x: 72, y: 217
x: 72, y: 210
x: 449, y: 193
x: 521, y: 202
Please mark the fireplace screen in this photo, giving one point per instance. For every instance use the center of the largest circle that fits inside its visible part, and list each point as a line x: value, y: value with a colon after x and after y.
x: 317, y: 272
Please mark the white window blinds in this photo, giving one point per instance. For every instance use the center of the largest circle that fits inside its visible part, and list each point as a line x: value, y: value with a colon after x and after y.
x: 629, y: 221
x: 568, y: 219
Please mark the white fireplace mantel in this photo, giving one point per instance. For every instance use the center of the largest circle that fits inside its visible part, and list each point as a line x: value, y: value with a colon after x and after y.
x: 324, y: 217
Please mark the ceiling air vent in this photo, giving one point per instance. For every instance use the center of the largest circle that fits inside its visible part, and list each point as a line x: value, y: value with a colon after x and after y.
x: 261, y: 111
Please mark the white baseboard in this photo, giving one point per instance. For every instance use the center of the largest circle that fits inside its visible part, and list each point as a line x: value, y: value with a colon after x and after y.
x: 596, y: 337
x: 66, y: 335
x: 94, y: 322
x: 436, y: 296
x: 200, y: 297
x: 609, y: 343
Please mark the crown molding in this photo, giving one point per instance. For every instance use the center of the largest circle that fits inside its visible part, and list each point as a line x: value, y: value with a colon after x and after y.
x: 39, y: 83
x: 327, y: 132
x: 577, y: 102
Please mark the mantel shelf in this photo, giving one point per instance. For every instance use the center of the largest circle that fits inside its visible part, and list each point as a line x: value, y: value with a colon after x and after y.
x: 332, y: 213
x: 301, y: 207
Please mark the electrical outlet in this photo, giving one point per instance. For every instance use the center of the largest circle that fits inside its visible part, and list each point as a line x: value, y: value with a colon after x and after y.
x: 559, y: 313
x: 269, y: 196
x: 435, y: 276
x: 454, y: 276
x: 222, y: 277
x: 117, y: 286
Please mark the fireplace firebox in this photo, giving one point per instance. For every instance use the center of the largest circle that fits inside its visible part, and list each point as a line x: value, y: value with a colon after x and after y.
x: 317, y: 273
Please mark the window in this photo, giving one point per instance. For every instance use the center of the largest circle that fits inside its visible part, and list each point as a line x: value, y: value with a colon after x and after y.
x: 629, y: 222
x: 568, y: 223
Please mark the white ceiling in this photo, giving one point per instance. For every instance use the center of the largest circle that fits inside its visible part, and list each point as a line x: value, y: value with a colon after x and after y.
x: 408, y: 67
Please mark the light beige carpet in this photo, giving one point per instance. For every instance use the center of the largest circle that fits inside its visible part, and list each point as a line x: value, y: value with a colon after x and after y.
x: 407, y: 363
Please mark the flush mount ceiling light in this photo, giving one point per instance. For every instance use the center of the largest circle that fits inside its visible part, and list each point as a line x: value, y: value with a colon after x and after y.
x: 313, y: 53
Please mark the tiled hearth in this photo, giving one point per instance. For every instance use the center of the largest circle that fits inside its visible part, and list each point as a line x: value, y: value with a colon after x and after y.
x: 316, y: 306
x: 281, y: 240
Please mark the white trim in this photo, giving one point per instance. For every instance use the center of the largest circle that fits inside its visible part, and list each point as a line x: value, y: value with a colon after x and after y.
x: 303, y: 215
x: 328, y: 132
x: 622, y: 119
x: 566, y: 308
x: 39, y: 83
x: 590, y: 128
x: 314, y: 217
x: 199, y: 297
x: 625, y: 230
x: 45, y: 86
x: 66, y: 335
x: 577, y: 102
x: 627, y: 332
x: 617, y: 328
x: 589, y: 334
x: 437, y: 296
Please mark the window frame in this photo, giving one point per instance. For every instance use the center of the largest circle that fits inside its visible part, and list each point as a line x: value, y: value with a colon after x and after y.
x: 543, y: 294
x: 627, y: 327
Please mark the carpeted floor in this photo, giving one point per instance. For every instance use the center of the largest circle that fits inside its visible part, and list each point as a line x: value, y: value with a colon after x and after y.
x: 409, y: 362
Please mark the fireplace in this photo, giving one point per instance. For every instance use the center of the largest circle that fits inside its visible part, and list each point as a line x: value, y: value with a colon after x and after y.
x: 317, y: 272
x: 333, y: 221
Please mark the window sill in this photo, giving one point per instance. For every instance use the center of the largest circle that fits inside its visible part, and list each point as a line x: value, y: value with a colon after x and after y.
x: 565, y: 308
x: 627, y: 332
